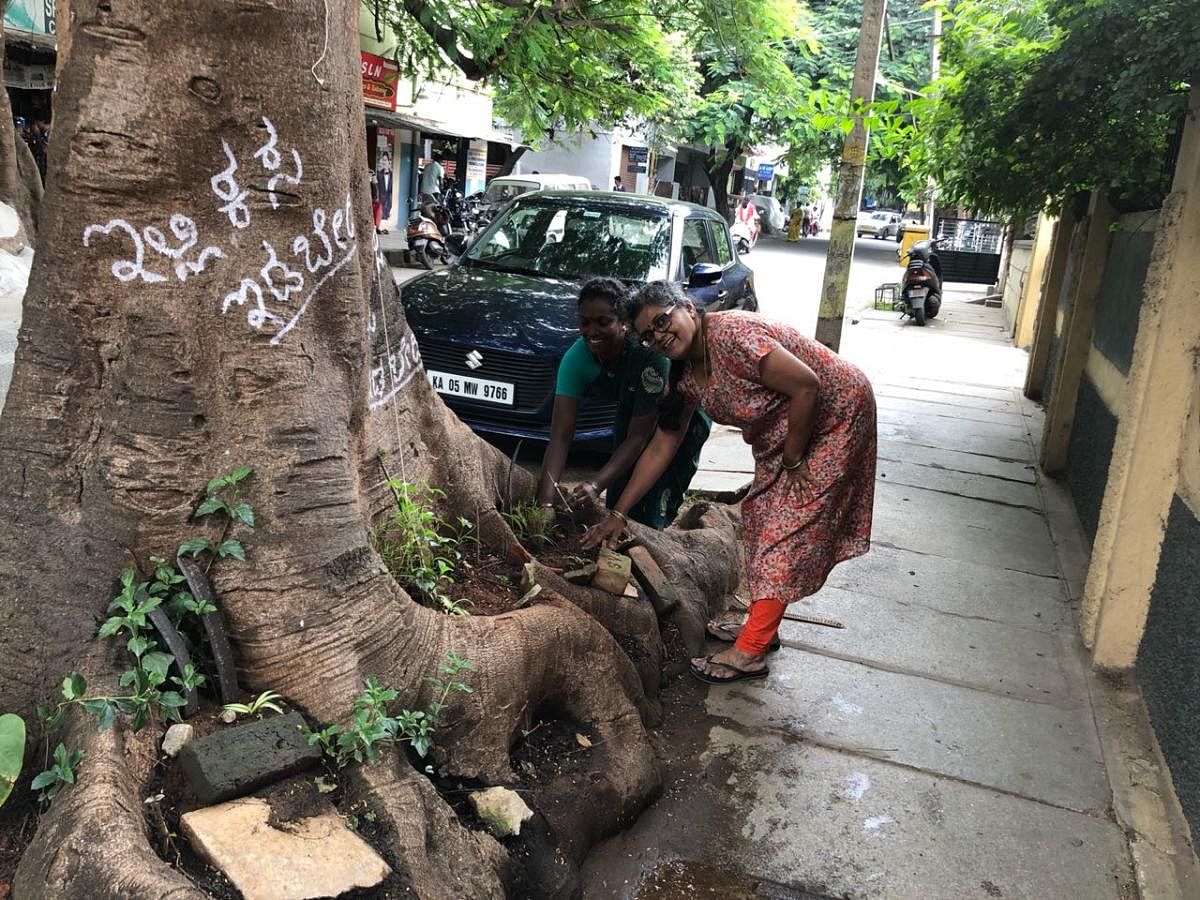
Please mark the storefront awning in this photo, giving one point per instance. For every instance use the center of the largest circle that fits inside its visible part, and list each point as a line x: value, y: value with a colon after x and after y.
x: 33, y: 39
x: 402, y: 119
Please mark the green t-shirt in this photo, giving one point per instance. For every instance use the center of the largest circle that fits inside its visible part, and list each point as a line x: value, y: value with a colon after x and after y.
x: 637, y: 380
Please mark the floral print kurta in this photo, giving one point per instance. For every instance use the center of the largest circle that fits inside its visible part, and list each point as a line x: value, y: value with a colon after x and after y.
x: 792, y: 546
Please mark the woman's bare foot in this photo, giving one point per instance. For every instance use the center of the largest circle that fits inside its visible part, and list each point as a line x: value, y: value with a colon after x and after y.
x: 729, y: 665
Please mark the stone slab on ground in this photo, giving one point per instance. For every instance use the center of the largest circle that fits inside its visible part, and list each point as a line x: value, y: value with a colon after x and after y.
x: 945, y: 729
x: 714, y: 482
x: 978, y: 487
x: 954, y: 586
x: 996, y: 412
x: 317, y: 856
x: 238, y: 760
x: 957, y: 461
x: 961, y: 528
x: 891, y: 832
x: 1001, y: 442
x: 990, y: 656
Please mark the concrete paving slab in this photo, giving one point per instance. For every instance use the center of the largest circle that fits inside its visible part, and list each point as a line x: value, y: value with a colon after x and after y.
x: 715, y: 481
x: 957, y: 461
x: 890, y: 832
x: 725, y: 450
x: 959, y: 388
x: 908, y: 392
x: 994, y: 412
x: 954, y: 586
x: 980, y: 487
x: 1002, y: 441
x: 944, y: 729
x: 1005, y: 659
x: 962, y: 528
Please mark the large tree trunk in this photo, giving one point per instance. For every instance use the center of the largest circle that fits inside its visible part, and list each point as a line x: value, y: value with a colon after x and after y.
x: 196, y: 306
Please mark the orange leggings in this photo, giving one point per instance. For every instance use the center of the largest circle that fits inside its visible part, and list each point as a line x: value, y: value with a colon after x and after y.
x: 761, y: 626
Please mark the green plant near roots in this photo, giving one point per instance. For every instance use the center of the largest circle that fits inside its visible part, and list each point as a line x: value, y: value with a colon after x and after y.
x: 12, y: 752
x: 416, y: 546
x: 532, y: 523
x: 371, y: 728
x: 265, y: 700
x: 50, y: 782
x: 153, y: 692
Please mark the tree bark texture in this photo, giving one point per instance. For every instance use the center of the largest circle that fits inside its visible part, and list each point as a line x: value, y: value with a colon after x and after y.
x: 206, y: 294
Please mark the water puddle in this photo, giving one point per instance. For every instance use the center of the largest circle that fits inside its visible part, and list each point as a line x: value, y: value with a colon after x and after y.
x: 683, y: 880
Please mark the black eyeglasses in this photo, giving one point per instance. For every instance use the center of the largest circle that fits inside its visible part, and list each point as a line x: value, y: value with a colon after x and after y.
x: 658, y: 325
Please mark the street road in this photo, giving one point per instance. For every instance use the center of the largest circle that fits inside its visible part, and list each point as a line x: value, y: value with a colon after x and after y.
x: 788, y: 277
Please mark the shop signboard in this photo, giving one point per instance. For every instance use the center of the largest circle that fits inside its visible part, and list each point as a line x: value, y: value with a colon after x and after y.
x: 476, y: 174
x: 34, y: 16
x: 639, y: 154
x: 380, y: 79
x: 766, y: 171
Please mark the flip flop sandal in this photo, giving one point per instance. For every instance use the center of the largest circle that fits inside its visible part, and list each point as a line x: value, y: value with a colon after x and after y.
x: 738, y: 674
x: 729, y: 633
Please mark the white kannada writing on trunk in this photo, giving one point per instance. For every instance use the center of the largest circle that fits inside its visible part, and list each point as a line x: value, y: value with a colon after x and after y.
x: 270, y: 294
x: 394, y: 371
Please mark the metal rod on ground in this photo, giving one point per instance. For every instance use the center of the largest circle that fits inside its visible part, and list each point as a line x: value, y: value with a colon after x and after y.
x: 850, y: 181
x: 800, y: 617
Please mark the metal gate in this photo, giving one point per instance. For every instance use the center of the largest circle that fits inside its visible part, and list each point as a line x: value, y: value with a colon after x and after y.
x: 970, y: 251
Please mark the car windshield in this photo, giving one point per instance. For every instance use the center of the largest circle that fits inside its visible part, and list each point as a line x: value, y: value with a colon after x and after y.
x: 503, y: 191
x: 576, y: 238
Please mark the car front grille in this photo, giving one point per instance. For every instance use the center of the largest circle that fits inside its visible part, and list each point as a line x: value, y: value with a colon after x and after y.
x: 532, y: 377
x: 533, y: 399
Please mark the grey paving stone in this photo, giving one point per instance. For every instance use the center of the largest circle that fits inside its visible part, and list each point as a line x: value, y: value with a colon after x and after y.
x: 1003, y: 442
x: 905, y: 637
x: 980, y: 487
x: 891, y: 833
x: 962, y: 528
x: 997, y: 412
x: 955, y: 586
x: 240, y: 759
x: 958, y: 461
x: 940, y: 728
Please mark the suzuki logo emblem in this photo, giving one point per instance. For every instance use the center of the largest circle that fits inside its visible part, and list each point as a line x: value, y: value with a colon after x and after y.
x: 474, y: 360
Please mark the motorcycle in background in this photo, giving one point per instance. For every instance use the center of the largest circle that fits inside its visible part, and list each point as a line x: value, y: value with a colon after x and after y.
x: 921, y: 285
x: 744, y: 237
x: 426, y: 240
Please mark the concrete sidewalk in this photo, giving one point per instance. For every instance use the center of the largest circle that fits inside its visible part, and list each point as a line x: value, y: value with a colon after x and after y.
x: 951, y: 742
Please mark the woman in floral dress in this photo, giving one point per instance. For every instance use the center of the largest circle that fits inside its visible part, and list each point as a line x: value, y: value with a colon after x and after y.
x: 809, y: 416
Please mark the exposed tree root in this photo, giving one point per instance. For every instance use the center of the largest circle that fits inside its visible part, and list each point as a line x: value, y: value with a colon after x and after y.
x: 428, y: 847
x: 93, y: 843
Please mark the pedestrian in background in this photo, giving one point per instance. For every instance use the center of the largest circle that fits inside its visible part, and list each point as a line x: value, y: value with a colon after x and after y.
x: 617, y: 186
x: 809, y: 416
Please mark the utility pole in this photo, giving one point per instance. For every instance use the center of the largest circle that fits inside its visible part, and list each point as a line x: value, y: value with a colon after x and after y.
x: 935, y: 65
x: 850, y: 181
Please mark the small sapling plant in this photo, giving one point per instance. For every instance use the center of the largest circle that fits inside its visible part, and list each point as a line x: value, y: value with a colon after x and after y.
x: 416, y: 546
x: 265, y: 700
x: 50, y: 782
x: 371, y: 728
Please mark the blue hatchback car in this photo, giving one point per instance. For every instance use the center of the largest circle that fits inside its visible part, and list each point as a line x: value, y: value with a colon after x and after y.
x: 493, y: 327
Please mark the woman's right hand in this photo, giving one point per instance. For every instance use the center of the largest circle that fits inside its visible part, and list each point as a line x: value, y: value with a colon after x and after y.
x: 607, y: 533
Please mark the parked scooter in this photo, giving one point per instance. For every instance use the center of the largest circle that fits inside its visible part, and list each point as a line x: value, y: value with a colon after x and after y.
x: 425, y: 239
x: 921, y: 286
x: 744, y: 237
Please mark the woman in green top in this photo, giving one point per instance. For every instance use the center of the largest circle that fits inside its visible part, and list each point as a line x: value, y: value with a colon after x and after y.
x: 616, y: 368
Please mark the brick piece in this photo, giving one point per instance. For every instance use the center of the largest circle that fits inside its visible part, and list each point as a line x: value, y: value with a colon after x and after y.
x: 612, y: 572
x: 236, y: 761
x: 653, y: 581
x: 316, y: 856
